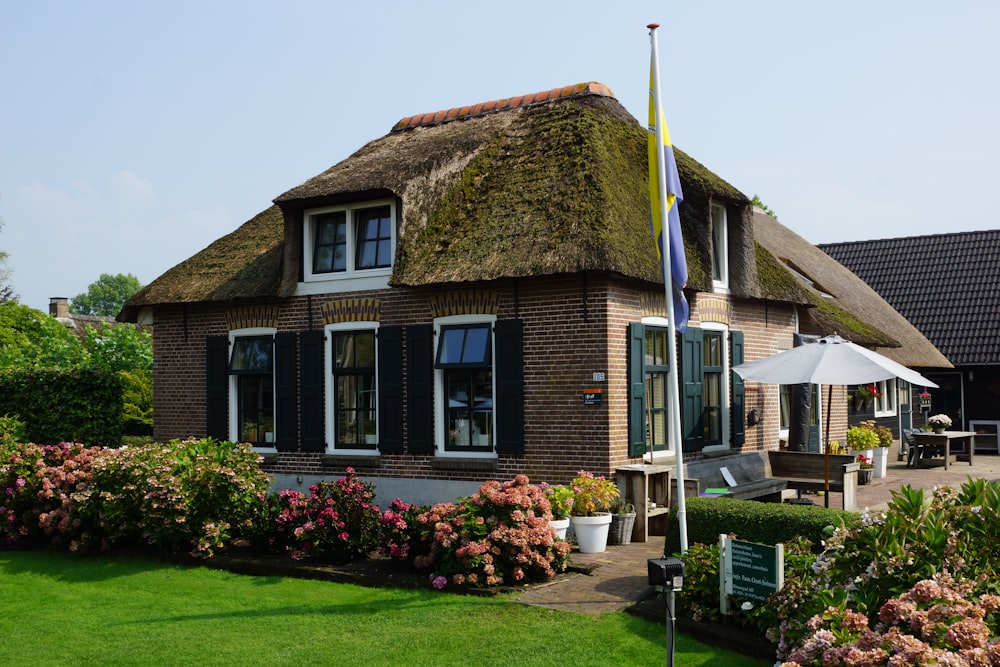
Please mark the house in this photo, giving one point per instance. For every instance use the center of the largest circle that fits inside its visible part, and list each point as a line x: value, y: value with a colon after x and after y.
x: 472, y: 296
x: 831, y: 285
x: 75, y: 323
x: 946, y: 285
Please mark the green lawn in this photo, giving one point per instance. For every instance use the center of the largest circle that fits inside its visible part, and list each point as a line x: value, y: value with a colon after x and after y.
x: 65, y: 610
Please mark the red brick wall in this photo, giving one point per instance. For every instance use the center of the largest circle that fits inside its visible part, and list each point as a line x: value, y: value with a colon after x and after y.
x: 574, y: 327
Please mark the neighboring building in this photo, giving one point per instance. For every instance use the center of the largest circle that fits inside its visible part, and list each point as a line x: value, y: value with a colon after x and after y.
x: 76, y: 323
x: 476, y: 295
x: 829, y: 283
x: 948, y: 287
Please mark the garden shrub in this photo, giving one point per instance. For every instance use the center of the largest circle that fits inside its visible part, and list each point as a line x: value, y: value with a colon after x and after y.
x: 38, y: 485
x: 752, y: 521
x: 498, y: 535
x: 338, y: 521
x: 184, y: 496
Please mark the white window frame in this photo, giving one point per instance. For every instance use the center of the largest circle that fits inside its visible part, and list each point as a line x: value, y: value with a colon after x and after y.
x: 720, y: 247
x: 234, y: 427
x: 885, y: 405
x: 440, y: 435
x: 351, y: 279
x: 726, y: 397
x: 663, y: 323
x: 330, y: 389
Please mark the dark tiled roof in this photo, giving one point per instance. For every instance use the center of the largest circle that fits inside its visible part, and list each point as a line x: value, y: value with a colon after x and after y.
x: 947, y: 285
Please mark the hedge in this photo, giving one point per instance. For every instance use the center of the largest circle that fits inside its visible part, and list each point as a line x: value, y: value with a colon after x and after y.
x: 751, y: 521
x: 80, y: 405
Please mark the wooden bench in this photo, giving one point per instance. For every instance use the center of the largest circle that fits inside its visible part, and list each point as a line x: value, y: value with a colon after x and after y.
x: 806, y: 471
x: 750, y: 471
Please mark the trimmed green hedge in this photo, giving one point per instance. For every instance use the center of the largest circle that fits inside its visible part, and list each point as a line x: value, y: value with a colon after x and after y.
x: 751, y: 521
x: 81, y: 405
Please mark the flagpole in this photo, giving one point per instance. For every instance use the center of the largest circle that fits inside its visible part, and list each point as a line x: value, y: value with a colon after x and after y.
x: 673, y: 404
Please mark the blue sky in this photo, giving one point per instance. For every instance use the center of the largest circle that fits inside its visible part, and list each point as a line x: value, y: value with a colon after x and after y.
x: 133, y: 134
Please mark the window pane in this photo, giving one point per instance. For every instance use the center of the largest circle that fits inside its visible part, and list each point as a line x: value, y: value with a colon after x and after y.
x: 251, y: 354
x: 465, y: 346
x: 469, y: 417
x: 356, y: 415
x: 255, y: 409
x: 330, y: 245
x: 374, y: 237
x: 656, y: 347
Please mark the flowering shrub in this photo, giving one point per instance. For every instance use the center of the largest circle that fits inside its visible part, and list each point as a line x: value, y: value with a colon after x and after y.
x: 183, y: 496
x: 498, y: 535
x: 399, y: 535
x: 862, y: 437
x: 592, y: 494
x: 37, y: 483
x: 865, y: 462
x: 939, y: 421
x: 337, y: 521
x: 935, y: 622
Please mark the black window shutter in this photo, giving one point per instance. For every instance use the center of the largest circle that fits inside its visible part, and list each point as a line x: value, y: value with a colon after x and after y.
x: 637, y: 389
x: 509, y: 368
x: 312, y: 352
x: 390, y: 390
x: 692, y: 392
x: 285, y: 375
x: 738, y: 402
x: 217, y: 387
x: 420, y: 388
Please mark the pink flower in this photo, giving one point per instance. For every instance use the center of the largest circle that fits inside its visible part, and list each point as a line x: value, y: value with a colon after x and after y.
x: 439, y: 582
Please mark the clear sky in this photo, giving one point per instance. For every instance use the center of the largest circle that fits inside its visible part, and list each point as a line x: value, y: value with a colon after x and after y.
x: 133, y: 134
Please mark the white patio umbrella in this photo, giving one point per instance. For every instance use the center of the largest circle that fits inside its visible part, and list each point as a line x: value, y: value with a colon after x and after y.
x: 830, y: 360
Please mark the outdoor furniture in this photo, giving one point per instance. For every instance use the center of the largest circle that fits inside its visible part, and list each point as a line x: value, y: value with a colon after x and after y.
x: 925, y: 442
x: 807, y: 471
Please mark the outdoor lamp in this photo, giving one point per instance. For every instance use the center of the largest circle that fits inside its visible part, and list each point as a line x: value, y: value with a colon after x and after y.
x: 667, y: 572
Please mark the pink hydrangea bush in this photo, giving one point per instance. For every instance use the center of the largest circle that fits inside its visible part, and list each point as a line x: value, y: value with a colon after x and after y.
x: 398, y: 534
x: 37, y: 487
x: 936, y: 622
x: 338, y: 521
x: 499, y: 535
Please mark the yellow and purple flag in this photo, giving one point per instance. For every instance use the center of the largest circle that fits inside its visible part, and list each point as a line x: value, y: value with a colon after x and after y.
x: 662, y: 158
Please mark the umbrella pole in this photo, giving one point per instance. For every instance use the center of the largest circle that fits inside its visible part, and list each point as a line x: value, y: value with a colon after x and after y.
x: 826, y: 447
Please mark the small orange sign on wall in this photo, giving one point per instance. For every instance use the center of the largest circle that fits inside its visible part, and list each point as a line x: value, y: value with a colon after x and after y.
x: 593, y: 396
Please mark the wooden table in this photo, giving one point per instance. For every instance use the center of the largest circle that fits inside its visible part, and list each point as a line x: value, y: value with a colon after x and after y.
x: 922, y: 439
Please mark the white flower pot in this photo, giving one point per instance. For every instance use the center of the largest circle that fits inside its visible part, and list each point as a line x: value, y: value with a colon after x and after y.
x: 592, y: 532
x: 560, y: 526
x: 880, y: 458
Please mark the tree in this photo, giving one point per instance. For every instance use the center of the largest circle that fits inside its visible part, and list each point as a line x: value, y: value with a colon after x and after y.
x: 106, y: 296
x: 30, y: 338
x: 762, y: 206
x: 6, y: 289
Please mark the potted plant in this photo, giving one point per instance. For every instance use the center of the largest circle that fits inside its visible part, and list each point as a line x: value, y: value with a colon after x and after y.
x: 939, y: 423
x: 881, y: 451
x: 864, y: 394
x: 862, y: 439
x: 622, y: 521
x: 866, y: 469
x: 560, y: 504
x: 592, y: 498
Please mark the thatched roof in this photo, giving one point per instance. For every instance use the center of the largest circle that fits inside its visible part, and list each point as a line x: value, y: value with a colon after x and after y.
x: 544, y: 184
x: 844, y: 303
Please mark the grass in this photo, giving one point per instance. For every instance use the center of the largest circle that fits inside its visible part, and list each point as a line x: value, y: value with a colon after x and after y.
x: 60, y: 609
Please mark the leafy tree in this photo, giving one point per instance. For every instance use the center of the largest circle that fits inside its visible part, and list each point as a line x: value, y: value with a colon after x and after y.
x: 30, y: 338
x: 764, y: 207
x: 6, y: 289
x: 119, y: 347
x: 106, y: 295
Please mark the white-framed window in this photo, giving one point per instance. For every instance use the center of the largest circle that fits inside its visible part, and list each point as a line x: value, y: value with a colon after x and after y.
x: 720, y: 248
x: 715, y: 385
x: 352, y: 387
x: 656, y: 366
x: 464, y: 385
x: 352, y: 243
x: 251, y: 386
x: 885, y: 402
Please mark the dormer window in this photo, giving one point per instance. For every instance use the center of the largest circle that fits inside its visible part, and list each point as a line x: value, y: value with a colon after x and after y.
x: 350, y: 241
x: 720, y: 248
